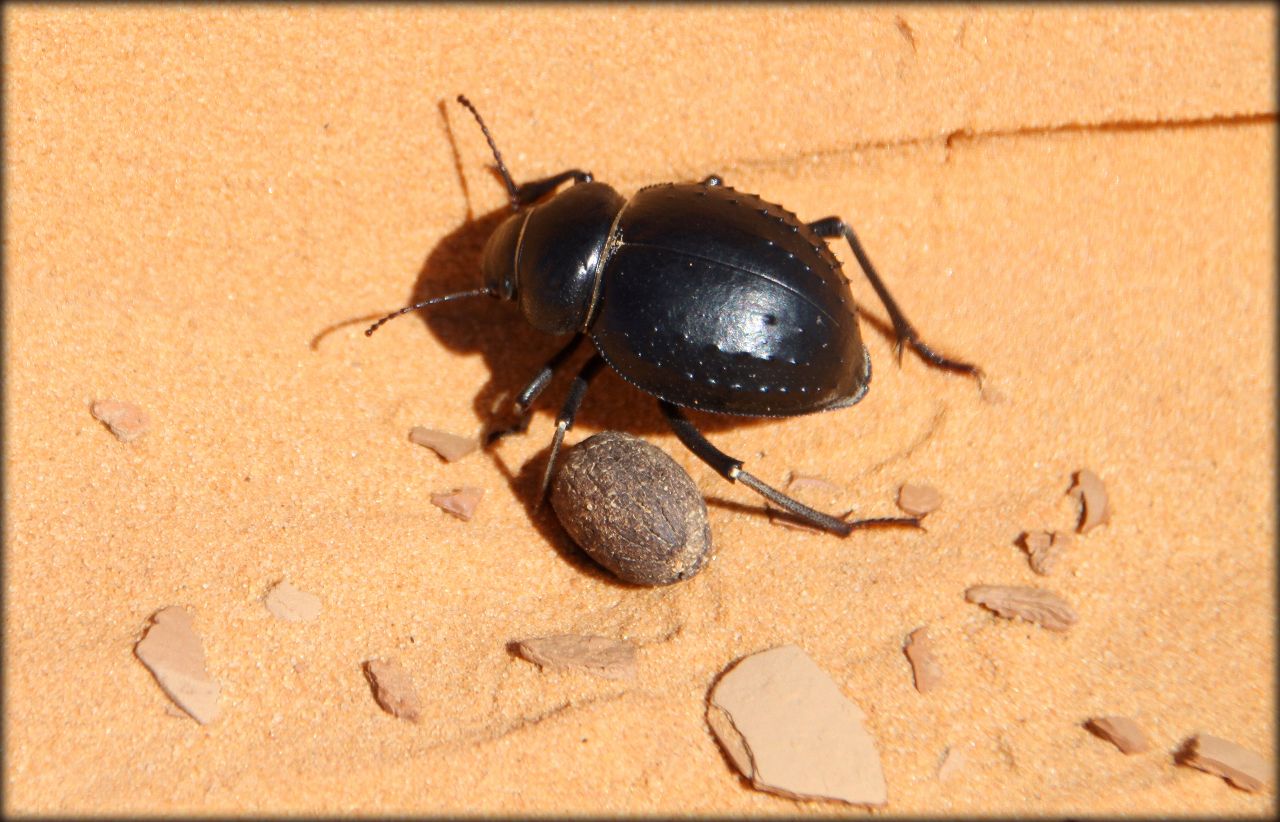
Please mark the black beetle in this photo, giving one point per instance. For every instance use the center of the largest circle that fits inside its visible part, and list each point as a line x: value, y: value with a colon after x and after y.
x: 703, y: 296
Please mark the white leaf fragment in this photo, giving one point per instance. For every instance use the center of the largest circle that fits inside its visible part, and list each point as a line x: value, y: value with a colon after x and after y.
x: 789, y: 729
x: 1220, y: 757
x: 393, y: 688
x: 461, y: 502
x: 608, y: 658
x: 292, y: 605
x: 1095, y: 508
x: 1044, y: 549
x: 1120, y: 731
x: 1037, y: 605
x: 925, y: 669
x: 126, y: 420
x: 450, y: 447
x: 174, y: 654
x: 954, y: 760
x: 918, y: 500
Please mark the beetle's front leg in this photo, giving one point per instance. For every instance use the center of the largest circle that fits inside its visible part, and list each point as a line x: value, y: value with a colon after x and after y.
x: 536, y: 386
x: 731, y: 469
x: 902, y: 329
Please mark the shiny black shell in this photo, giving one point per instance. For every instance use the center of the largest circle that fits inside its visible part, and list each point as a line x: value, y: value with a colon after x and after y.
x: 714, y: 299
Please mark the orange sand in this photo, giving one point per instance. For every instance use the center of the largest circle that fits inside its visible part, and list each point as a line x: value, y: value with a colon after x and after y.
x: 1081, y: 200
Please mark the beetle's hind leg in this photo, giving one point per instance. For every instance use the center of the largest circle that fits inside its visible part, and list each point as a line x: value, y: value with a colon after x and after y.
x: 565, y: 420
x: 731, y: 469
x: 902, y: 329
x: 536, y: 386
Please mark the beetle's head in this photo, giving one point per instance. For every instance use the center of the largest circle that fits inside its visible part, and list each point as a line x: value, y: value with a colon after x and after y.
x: 548, y: 254
x: 499, y: 263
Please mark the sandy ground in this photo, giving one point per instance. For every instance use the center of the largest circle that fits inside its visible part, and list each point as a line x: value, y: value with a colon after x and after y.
x: 1080, y: 200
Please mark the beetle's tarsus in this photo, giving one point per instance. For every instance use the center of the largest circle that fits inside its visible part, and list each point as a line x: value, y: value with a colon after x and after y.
x: 934, y: 358
x: 880, y: 522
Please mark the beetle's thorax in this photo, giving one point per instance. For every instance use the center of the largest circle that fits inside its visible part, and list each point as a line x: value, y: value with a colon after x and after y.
x: 548, y: 258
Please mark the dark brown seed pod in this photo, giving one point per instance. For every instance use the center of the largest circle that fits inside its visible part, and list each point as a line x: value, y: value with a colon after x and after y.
x: 633, y: 509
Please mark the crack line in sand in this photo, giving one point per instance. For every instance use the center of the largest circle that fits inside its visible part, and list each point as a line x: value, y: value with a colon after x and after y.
x: 968, y: 136
x: 935, y: 425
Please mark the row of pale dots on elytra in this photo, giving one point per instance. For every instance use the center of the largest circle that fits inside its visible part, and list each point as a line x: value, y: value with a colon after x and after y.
x: 710, y: 380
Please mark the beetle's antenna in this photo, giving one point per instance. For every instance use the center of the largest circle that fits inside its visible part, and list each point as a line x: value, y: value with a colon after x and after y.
x: 479, y: 292
x: 497, y: 155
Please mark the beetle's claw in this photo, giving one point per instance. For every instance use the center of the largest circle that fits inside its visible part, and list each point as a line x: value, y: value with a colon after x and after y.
x: 498, y: 433
x: 520, y: 426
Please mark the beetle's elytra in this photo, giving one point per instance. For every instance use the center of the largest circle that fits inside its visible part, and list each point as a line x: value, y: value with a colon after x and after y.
x: 700, y: 295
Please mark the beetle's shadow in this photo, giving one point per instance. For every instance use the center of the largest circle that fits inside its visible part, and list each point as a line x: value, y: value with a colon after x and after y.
x: 514, y: 351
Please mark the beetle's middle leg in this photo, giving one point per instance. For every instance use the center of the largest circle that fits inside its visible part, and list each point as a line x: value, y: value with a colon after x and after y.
x: 565, y: 420
x: 536, y: 386
x: 902, y: 329
x: 731, y: 469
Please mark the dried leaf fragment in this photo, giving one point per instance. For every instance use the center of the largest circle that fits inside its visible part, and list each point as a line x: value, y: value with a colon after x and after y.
x: 602, y: 656
x: 789, y: 729
x: 918, y: 500
x: 290, y: 604
x: 1037, y: 605
x: 1095, y: 509
x: 393, y: 688
x: 1044, y: 549
x: 925, y: 669
x: 126, y: 421
x: 450, y: 447
x: 1220, y: 757
x: 461, y: 502
x: 815, y: 492
x: 174, y: 654
x: 1120, y: 731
